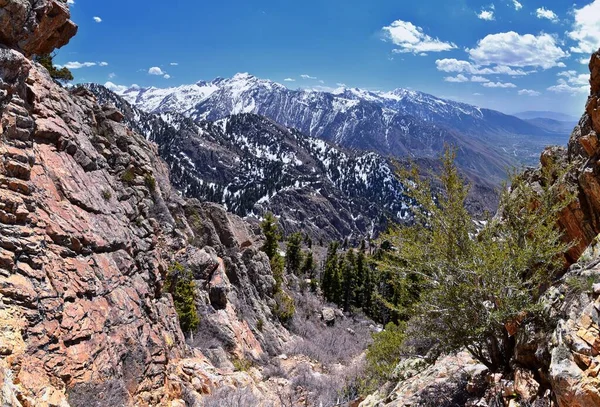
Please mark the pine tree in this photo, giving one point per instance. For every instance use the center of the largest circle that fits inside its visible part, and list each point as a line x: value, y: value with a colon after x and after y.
x: 348, y: 279
x: 180, y: 285
x: 293, y: 254
x: 308, y: 267
x: 271, y: 231
x: 330, y: 273
x: 361, y: 277
x: 62, y: 74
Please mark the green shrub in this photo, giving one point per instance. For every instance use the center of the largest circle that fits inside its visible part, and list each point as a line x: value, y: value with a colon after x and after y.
x: 384, y: 354
x: 242, y: 365
x: 63, y: 74
x: 150, y: 182
x: 106, y: 194
x: 181, y: 286
x: 285, y: 307
x: 475, y: 286
x: 129, y: 175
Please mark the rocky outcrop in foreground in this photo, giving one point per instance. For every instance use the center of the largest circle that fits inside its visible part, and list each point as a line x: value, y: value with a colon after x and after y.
x: 89, y: 229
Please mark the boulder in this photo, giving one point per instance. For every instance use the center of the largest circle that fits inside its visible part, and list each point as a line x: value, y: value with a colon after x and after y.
x: 35, y: 27
x: 328, y: 316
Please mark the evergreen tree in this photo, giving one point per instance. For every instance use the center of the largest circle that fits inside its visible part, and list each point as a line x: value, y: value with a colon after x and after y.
x: 271, y: 231
x: 470, y: 286
x: 180, y: 285
x: 330, y: 274
x: 293, y: 254
x: 62, y: 74
x: 308, y: 267
x: 348, y: 279
x: 361, y: 277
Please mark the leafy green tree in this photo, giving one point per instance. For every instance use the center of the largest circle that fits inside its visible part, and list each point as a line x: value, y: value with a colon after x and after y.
x: 293, y: 254
x: 63, y: 74
x: 181, y: 286
x: 475, y: 285
x: 278, y: 268
x: 270, y: 229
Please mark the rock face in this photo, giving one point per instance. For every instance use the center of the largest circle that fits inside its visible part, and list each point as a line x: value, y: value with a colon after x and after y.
x: 35, y: 26
x: 581, y: 220
x: 89, y: 227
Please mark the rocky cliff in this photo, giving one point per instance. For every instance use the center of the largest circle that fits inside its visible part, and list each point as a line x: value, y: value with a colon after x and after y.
x: 89, y: 228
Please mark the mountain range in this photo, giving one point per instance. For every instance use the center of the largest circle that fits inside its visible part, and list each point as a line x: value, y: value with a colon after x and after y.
x: 252, y: 165
x: 401, y: 123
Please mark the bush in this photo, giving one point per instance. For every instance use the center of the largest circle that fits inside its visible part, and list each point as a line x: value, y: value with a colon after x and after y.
x: 63, y: 74
x: 106, y: 194
x: 181, y: 286
x: 150, y: 182
x: 476, y: 286
x: 129, y: 175
x: 284, y: 307
x: 384, y: 354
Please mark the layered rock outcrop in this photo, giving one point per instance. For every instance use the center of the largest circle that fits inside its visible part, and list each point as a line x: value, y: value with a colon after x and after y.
x: 89, y: 228
x: 35, y: 26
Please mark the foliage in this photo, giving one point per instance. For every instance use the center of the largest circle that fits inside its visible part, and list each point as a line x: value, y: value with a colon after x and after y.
x: 308, y: 267
x: 242, y: 364
x: 180, y: 285
x: 129, y: 175
x: 293, y: 254
x: 63, y: 74
x: 464, y: 287
x: 278, y: 267
x: 284, y: 307
x: 271, y: 231
x: 150, y: 182
x: 106, y: 194
x: 384, y: 354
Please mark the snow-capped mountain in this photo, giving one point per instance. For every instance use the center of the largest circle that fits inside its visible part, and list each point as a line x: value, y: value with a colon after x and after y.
x: 252, y: 165
x: 400, y: 123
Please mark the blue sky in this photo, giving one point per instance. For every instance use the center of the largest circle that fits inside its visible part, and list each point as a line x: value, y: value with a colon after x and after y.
x: 505, y: 54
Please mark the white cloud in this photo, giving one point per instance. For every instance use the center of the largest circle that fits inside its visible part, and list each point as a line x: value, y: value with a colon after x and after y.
x: 341, y: 85
x: 77, y: 65
x: 167, y: 76
x: 584, y: 61
x: 410, y: 38
x: 289, y: 80
x: 515, y: 50
x: 114, y: 87
x: 529, y: 92
x: 174, y: 63
x: 518, y: 6
x: 155, y: 70
x: 563, y: 87
x: 477, y: 94
x: 455, y: 65
x: 586, y: 28
x: 499, y: 85
x: 487, y: 15
x: 112, y: 75
x: 479, y: 79
x: 543, y: 12
x: 71, y: 2
x: 457, y: 78
x: 97, y: 19
x: 103, y: 63
x: 308, y: 77
x: 576, y: 79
